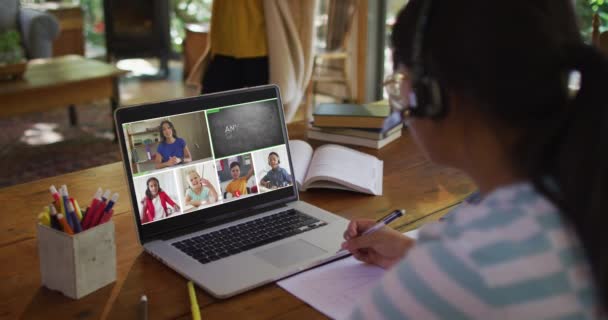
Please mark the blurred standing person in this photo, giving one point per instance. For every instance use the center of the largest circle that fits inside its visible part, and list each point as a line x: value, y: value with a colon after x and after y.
x: 256, y: 42
x: 239, y: 51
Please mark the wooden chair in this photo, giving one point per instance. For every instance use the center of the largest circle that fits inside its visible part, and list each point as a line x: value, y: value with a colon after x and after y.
x: 329, y: 65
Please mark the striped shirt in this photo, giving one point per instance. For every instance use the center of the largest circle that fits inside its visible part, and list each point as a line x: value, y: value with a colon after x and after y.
x: 510, y: 256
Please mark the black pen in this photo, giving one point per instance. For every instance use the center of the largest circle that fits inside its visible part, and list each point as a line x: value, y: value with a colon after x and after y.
x: 381, y: 223
x: 384, y: 221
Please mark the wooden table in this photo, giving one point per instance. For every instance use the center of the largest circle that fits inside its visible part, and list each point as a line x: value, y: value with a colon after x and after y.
x: 425, y: 190
x: 60, y: 82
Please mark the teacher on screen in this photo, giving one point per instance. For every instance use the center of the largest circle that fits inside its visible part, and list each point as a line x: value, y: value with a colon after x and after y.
x: 172, y: 150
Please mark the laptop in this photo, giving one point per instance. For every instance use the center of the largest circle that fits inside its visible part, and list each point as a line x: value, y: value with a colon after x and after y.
x: 213, y: 194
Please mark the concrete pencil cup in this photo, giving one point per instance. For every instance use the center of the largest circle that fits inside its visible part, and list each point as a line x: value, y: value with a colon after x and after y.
x: 78, y: 264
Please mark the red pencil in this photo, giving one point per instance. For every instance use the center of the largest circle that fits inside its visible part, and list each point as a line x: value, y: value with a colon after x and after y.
x: 89, y: 213
x: 94, y: 215
x: 106, y: 212
x: 106, y: 217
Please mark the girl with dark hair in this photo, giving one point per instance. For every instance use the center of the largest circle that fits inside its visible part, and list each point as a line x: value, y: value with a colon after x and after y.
x: 172, y: 149
x: 156, y: 204
x: 513, y: 98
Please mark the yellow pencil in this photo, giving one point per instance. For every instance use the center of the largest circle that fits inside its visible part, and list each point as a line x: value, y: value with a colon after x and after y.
x: 77, y: 209
x: 196, y: 315
x: 44, y: 218
x: 62, y: 208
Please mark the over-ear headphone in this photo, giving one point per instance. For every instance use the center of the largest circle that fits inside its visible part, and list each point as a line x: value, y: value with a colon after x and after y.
x: 426, y: 98
x: 276, y: 154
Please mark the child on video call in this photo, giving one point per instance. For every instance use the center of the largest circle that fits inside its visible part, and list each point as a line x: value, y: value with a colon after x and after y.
x: 277, y: 177
x: 238, y: 185
x: 201, y: 190
x: 156, y: 204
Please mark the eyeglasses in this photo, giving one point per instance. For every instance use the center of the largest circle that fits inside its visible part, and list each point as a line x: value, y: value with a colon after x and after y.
x: 395, y: 86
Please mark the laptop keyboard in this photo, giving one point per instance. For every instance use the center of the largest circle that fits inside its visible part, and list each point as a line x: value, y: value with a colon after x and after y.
x: 232, y: 240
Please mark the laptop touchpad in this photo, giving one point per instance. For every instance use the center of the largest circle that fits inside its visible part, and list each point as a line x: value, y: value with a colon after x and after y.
x: 290, y: 253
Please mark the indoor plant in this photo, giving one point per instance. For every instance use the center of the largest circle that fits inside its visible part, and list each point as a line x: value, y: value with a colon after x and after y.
x: 12, y: 62
x: 10, y: 47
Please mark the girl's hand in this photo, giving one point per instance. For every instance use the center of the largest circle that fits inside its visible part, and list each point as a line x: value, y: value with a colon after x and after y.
x: 384, y: 247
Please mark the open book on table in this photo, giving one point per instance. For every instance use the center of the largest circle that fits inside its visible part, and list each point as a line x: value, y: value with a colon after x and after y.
x: 335, y: 167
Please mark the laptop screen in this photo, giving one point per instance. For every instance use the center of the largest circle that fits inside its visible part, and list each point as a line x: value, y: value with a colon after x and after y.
x: 201, y: 158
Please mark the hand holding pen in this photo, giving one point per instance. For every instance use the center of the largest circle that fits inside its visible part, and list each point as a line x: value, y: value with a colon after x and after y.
x: 370, y: 242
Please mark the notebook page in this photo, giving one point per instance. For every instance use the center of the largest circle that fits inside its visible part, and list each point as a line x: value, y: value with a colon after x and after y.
x: 334, y: 288
x: 350, y: 167
x: 301, y: 153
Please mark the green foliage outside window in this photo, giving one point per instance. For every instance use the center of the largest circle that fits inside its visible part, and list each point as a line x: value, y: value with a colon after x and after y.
x: 182, y: 12
x: 585, y: 10
x: 93, y: 22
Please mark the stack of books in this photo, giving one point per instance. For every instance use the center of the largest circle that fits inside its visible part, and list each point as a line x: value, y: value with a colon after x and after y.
x: 369, y: 125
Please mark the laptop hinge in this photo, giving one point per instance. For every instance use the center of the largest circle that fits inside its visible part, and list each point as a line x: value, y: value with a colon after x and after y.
x: 225, y: 218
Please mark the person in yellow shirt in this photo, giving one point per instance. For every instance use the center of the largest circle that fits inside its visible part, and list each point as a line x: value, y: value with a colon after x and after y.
x: 285, y: 35
x: 238, y: 46
x: 238, y: 186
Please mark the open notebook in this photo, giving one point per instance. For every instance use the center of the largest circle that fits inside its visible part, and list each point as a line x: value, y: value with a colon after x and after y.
x: 336, y: 167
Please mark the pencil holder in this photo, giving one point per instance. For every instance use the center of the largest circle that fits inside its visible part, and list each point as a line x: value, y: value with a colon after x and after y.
x: 79, y: 264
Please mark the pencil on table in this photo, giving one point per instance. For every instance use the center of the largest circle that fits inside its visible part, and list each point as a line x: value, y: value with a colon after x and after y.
x: 196, y: 315
x: 143, y: 307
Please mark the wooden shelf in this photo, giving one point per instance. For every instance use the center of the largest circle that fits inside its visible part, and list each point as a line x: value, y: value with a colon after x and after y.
x: 143, y: 132
x: 143, y: 144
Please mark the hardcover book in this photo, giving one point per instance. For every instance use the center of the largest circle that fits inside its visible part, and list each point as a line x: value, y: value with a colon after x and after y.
x: 351, y: 115
x: 374, y: 134
x: 358, y: 141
